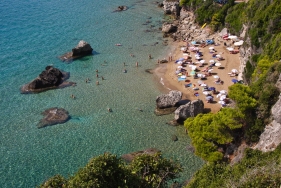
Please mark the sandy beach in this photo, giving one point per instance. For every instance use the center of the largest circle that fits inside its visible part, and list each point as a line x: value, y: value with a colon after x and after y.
x: 166, y: 73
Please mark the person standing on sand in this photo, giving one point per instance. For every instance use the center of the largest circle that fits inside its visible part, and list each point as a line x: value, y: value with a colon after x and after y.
x: 137, y: 64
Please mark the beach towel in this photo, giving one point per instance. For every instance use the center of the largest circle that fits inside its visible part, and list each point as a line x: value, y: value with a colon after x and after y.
x: 181, y: 79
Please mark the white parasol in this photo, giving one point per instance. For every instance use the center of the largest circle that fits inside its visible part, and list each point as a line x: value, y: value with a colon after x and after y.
x: 193, y: 67
x: 185, y: 54
x: 179, y: 67
x: 216, y: 76
x: 223, y: 92
x: 210, y: 70
x: 211, y: 48
x: 239, y: 43
x: 218, y: 56
x: 218, y: 64
x: 234, y: 71
x: 230, y: 49
x: 232, y: 37
x: 202, y: 61
x: 206, y: 92
x: 212, y: 61
x: 222, y: 97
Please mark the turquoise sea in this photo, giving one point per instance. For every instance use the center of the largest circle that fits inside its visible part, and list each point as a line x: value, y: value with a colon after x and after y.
x: 33, y: 34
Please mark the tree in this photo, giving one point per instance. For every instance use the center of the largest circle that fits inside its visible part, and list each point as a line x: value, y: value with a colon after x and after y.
x: 109, y: 171
x: 210, y: 131
x: 154, y: 171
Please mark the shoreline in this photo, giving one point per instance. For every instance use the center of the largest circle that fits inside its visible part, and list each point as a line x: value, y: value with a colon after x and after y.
x: 166, y: 77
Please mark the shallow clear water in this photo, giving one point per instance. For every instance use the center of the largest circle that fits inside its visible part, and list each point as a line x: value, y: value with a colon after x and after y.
x: 33, y: 34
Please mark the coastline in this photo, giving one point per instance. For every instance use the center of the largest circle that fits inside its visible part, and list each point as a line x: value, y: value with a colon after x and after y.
x: 165, y: 73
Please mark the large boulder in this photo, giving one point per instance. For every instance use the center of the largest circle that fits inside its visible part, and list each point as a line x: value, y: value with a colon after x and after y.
x: 50, y: 78
x: 82, y: 49
x: 169, y: 28
x: 168, y: 100
x: 191, y: 109
x: 53, y: 116
x: 130, y: 156
x: 171, y: 7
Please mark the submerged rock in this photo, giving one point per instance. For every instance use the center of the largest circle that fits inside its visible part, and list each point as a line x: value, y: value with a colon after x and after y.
x: 53, y: 116
x: 50, y: 78
x: 81, y: 50
x: 130, y: 156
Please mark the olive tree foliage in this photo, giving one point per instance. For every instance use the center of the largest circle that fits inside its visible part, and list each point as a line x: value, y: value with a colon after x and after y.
x: 109, y: 171
x: 210, y: 131
x: 154, y: 171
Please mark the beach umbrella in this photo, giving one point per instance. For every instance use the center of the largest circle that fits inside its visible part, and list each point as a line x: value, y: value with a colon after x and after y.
x: 193, y: 42
x: 239, y: 43
x: 223, y: 92
x: 200, y: 82
x: 212, y: 88
x: 218, y: 56
x: 216, y: 76
x: 210, y: 70
x: 196, y: 94
x: 209, y: 97
x: 218, y: 64
x: 232, y: 37
x: 230, y: 49
x: 234, y: 71
x: 193, y: 67
x: 221, y: 102
x: 211, y: 48
x: 202, y: 61
x: 179, y: 67
x: 181, y: 59
x: 185, y: 54
x: 192, y: 72
x: 234, y: 80
x: 206, y: 92
x: 183, y: 48
x: 212, y: 61
x: 222, y: 97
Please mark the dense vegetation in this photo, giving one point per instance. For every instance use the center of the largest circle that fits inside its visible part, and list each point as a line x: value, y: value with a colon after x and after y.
x: 109, y: 171
x: 210, y: 135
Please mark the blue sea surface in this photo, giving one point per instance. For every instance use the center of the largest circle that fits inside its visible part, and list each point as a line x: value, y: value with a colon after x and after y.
x: 33, y: 35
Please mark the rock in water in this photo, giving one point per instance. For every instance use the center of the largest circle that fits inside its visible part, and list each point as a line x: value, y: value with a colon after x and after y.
x: 166, y: 103
x: 53, y: 116
x: 50, y: 78
x: 82, y: 49
x: 174, y: 138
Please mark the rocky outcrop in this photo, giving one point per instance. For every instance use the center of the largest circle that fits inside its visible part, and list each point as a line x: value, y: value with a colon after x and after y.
x: 169, y: 28
x: 185, y: 28
x: 53, y: 116
x: 50, y: 78
x: 167, y: 103
x: 171, y: 7
x: 191, y: 109
x: 81, y: 50
x: 121, y: 8
x: 168, y: 100
x: 271, y: 137
x: 130, y: 156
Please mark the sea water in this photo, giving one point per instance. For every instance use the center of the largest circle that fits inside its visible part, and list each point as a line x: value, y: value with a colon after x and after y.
x: 33, y: 34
